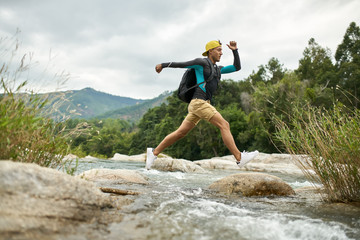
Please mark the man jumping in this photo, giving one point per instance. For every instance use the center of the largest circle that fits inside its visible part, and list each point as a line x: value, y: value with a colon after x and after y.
x: 200, y: 107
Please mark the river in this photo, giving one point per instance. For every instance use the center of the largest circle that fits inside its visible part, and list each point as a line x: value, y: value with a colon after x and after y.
x: 178, y: 205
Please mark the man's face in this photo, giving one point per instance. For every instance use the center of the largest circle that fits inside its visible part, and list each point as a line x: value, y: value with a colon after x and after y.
x: 215, y: 53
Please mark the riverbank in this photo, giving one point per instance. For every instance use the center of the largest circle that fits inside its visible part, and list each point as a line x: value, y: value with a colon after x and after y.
x: 41, y: 203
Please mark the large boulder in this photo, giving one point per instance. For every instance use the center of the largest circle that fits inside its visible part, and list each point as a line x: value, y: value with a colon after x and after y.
x: 43, y: 203
x: 176, y: 165
x: 252, y: 184
x: 116, y: 176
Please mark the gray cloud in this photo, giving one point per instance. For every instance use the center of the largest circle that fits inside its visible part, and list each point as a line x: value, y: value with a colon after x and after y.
x: 113, y: 46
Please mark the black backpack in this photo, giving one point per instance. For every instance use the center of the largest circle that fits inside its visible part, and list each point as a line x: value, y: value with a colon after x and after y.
x: 188, y: 83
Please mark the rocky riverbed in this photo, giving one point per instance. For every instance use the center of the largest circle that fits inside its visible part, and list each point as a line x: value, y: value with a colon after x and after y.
x: 116, y: 198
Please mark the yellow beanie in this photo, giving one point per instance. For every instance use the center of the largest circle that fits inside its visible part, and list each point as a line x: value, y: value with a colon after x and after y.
x: 210, y: 45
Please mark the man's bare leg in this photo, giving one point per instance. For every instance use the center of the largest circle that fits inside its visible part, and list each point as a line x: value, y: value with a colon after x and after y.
x: 170, y: 139
x: 218, y: 121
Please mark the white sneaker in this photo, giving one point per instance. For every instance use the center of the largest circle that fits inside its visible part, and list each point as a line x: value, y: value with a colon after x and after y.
x: 247, y: 157
x: 150, y: 158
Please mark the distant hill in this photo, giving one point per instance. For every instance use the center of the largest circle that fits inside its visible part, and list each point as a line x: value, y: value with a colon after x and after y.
x: 135, y: 112
x: 89, y: 103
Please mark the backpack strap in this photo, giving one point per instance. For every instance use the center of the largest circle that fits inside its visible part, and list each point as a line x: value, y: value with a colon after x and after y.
x: 212, y: 73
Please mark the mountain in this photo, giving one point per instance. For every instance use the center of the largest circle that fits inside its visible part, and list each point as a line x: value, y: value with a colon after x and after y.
x: 89, y: 103
x: 135, y: 112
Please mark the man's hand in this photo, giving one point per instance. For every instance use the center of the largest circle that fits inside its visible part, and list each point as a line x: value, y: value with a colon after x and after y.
x: 232, y: 45
x: 158, y: 68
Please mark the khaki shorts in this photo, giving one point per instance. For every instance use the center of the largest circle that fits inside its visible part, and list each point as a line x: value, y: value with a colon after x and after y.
x: 200, y: 109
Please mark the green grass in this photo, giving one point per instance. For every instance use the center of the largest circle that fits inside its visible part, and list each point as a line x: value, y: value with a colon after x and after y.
x: 25, y: 134
x: 331, y: 139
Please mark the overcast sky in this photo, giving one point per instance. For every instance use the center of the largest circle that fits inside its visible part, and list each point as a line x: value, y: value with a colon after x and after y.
x: 113, y: 46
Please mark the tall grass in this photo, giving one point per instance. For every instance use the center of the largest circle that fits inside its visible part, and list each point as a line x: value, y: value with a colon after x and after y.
x: 331, y: 139
x: 26, y: 135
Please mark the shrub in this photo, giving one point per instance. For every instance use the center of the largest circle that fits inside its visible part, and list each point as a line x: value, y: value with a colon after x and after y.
x: 331, y: 139
x: 25, y: 134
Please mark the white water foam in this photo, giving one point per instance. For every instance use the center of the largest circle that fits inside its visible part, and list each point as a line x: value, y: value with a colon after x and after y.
x: 303, y: 184
x: 281, y: 227
x: 154, y: 172
x: 236, y: 222
x: 208, y: 208
x: 177, y: 175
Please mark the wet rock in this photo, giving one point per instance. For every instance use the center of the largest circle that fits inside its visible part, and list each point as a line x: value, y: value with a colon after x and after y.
x: 115, y: 176
x: 311, y: 194
x: 118, y: 191
x: 252, y: 184
x: 43, y: 203
x: 176, y: 165
x: 309, y: 190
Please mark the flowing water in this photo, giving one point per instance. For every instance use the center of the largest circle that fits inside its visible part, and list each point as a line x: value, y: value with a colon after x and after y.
x: 179, y: 205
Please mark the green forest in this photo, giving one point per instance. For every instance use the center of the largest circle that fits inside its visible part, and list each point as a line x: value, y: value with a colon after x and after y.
x: 323, y: 80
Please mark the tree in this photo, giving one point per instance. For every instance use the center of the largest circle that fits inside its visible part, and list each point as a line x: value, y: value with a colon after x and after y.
x: 348, y: 64
x: 316, y: 66
x: 277, y: 100
x: 259, y: 76
x: 275, y: 70
x: 271, y: 73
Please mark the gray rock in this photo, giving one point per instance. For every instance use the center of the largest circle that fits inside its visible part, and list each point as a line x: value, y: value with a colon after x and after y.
x: 134, y: 158
x: 43, y: 203
x: 118, y: 176
x: 276, y: 163
x: 217, y: 163
x: 176, y: 165
x: 252, y: 184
